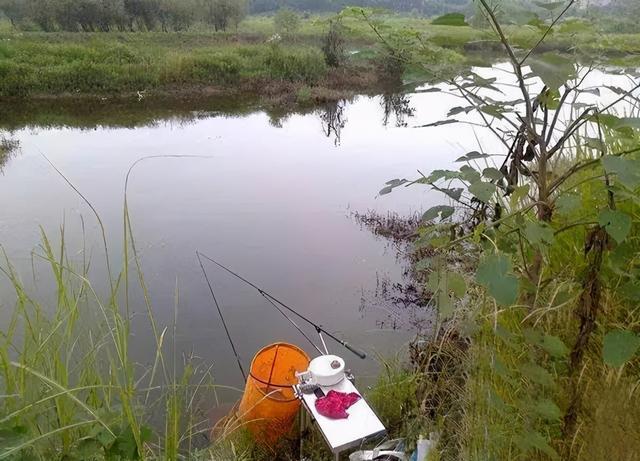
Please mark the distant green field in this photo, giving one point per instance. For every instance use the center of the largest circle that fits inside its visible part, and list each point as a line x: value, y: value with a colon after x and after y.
x: 38, y: 63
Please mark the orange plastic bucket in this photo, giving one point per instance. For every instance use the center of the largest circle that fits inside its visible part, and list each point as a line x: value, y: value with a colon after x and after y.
x: 269, y: 407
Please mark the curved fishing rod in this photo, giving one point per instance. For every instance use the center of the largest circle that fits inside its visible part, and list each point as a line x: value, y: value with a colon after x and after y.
x: 318, y: 328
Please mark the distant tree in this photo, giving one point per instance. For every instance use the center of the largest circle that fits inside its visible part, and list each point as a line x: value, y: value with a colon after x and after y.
x: 42, y: 13
x: 113, y: 15
x: 223, y: 13
x: 176, y: 14
x: 286, y: 21
x: 144, y: 14
x: 14, y: 10
x: 239, y: 12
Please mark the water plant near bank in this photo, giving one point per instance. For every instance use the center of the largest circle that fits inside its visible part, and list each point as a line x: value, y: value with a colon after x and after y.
x: 544, y: 307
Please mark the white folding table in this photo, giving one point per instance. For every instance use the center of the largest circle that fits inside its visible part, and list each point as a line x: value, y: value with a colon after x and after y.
x: 342, y: 434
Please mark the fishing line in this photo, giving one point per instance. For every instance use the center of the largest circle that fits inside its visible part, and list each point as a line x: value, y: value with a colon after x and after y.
x: 224, y: 324
x: 318, y: 328
x: 293, y: 323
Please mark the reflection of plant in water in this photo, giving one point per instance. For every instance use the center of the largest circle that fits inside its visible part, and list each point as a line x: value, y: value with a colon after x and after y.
x: 7, y: 148
x: 398, y: 106
x: 333, y: 120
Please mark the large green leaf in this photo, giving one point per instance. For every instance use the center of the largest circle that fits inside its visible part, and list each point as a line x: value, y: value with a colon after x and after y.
x: 483, y: 191
x: 455, y: 193
x: 442, y: 174
x: 458, y: 110
x: 627, y: 170
x: 457, y: 284
x: 537, y: 374
x: 443, y: 284
x: 616, y: 223
x: 442, y: 211
x: 532, y: 440
x: 493, y: 110
x: 553, y: 69
x: 392, y: 185
x: 492, y: 173
x: 474, y: 155
x: 619, y: 347
x: 538, y: 233
x: 470, y: 174
x: 567, y: 203
x: 451, y: 19
x: 554, y: 346
x: 494, y: 273
x: 547, y: 409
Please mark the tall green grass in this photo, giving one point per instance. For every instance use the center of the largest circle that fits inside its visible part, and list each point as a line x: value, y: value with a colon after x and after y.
x: 69, y: 385
x: 105, y: 66
x: 36, y: 63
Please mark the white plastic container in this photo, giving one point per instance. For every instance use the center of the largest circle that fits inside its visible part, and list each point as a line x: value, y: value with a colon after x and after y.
x: 326, y: 370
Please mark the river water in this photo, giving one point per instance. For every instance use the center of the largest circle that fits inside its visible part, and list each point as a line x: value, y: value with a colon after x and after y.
x: 271, y: 195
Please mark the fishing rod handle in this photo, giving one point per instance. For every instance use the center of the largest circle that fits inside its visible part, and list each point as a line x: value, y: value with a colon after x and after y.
x: 360, y: 354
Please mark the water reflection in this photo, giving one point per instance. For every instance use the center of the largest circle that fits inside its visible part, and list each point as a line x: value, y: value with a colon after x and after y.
x: 397, y: 107
x: 152, y: 111
x: 8, y: 148
x: 333, y: 120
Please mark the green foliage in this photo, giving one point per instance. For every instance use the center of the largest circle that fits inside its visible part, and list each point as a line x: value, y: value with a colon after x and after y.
x: 442, y: 211
x: 446, y: 287
x: 307, y: 66
x: 224, y: 13
x: 286, y: 21
x: 333, y: 45
x: 451, y: 19
x: 619, y: 347
x: 616, y: 223
x: 483, y: 191
x: 104, y: 66
x: 538, y: 233
x: 121, y: 15
x: 70, y: 388
x: 626, y: 169
x: 494, y: 273
x: 553, y: 69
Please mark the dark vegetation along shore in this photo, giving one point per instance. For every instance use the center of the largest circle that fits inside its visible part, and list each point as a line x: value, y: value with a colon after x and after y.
x: 529, y: 264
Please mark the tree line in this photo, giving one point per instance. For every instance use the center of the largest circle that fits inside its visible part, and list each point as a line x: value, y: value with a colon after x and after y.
x: 122, y: 15
x: 176, y: 15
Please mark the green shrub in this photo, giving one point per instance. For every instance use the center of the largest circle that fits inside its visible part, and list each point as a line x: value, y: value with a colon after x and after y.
x: 295, y: 65
x: 286, y: 21
x: 216, y: 68
x: 15, y: 79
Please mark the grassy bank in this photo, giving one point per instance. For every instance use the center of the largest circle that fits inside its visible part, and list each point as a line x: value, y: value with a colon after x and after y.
x: 34, y: 64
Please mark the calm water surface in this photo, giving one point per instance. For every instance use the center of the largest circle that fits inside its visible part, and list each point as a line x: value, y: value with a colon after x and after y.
x: 272, y: 197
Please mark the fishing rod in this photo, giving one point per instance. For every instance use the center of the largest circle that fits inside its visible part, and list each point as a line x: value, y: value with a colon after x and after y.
x: 295, y: 325
x: 319, y: 329
x: 224, y: 324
